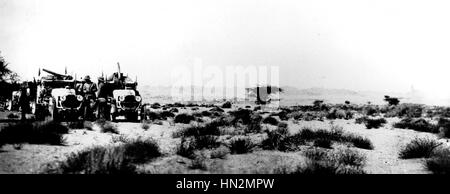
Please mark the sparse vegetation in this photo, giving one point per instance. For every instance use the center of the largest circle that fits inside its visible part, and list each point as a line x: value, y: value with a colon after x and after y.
x: 417, y: 124
x: 109, y: 160
x: 342, y: 161
x: 371, y: 122
x: 34, y: 133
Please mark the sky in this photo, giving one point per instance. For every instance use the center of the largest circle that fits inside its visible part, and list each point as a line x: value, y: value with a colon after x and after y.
x: 383, y: 45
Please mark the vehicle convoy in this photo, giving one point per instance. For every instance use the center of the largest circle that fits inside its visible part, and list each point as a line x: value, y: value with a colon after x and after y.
x: 118, y: 96
x: 56, y: 97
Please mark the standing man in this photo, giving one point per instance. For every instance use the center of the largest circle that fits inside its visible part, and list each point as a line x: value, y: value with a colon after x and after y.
x: 102, y: 97
x: 89, y: 89
x: 24, y: 103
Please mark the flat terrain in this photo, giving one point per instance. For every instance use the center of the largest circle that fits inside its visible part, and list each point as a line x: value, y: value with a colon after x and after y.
x: 383, y: 159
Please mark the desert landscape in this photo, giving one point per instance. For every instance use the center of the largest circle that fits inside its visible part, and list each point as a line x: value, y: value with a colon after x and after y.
x: 238, y: 138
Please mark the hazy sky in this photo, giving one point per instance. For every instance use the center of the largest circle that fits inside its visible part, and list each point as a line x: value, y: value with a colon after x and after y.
x: 386, y: 45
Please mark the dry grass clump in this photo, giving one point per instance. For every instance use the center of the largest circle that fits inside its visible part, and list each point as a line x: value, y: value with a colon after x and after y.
x: 108, y: 160
x: 419, y: 148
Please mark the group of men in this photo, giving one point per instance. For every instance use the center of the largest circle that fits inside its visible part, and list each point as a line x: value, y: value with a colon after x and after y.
x: 94, y: 97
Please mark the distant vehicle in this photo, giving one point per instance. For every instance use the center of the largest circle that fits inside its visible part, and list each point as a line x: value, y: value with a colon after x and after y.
x: 56, y: 98
x: 123, y: 97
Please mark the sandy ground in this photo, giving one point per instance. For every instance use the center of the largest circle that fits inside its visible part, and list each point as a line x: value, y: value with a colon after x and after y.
x: 383, y: 159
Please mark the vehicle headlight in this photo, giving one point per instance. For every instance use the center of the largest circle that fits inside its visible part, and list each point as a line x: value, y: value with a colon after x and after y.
x: 138, y: 98
x: 121, y: 98
x: 79, y: 98
x: 63, y: 98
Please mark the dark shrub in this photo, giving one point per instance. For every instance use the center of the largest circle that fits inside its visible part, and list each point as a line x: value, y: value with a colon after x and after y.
x: 166, y: 114
x: 140, y: 151
x: 360, y: 142
x: 444, y: 127
x: 96, y: 160
x: 417, y: 124
x: 241, y: 115
x: 419, y: 148
x: 34, y: 133
x: 226, y: 104
x: 277, y: 140
x: 211, y: 128
x: 255, y: 124
x: 323, y: 143
x: 241, y: 145
x: 186, y: 148
x: 173, y: 110
x: 374, y: 122
x: 206, y: 141
x: 439, y: 163
x: 216, y: 109
x: 155, y: 105
x: 110, y: 160
x: 270, y: 120
x: 405, y: 110
x: 349, y: 157
x: 184, y: 118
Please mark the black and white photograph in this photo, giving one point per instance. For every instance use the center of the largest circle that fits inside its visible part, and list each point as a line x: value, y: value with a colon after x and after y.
x: 222, y: 87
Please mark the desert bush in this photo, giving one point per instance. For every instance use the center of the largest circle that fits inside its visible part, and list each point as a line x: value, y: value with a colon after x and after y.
x: 439, y: 162
x: 96, y: 160
x: 348, y: 157
x: 34, y: 133
x: 416, y: 124
x: 166, y: 114
x: 220, y: 152
x: 419, y: 148
x: 186, y: 148
x: 106, y: 126
x: 216, y: 109
x: 342, y: 161
x: 334, y: 134
x: 227, y: 104
x: 277, y: 140
x: 110, y: 159
x: 371, y: 122
x: 155, y: 105
x: 241, y: 145
x: 241, y: 115
x: 184, y: 118
x: 405, y: 110
x: 173, y: 110
x: 444, y: 127
x: 370, y: 110
x: 206, y: 141
x: 199, y: 161
x: 139, y: 151
x: 254, y: 126
x: 323, y: 143
x: 270, y: 120
x: 210, y: 128
x: 359, y: 141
